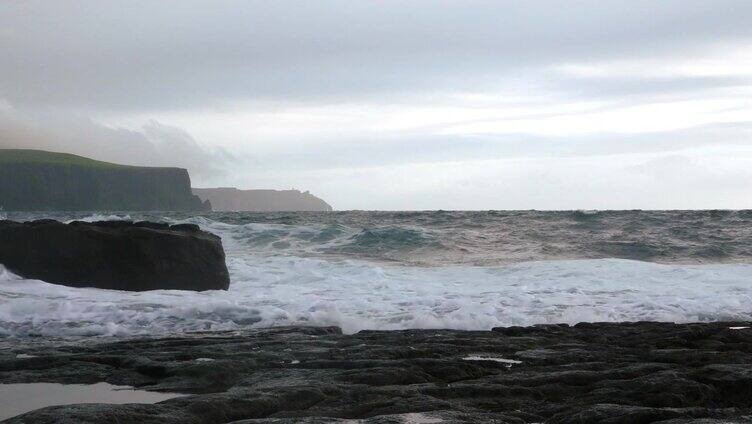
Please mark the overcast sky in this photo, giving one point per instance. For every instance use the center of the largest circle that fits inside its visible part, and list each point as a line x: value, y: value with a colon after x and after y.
x: 398, y: 104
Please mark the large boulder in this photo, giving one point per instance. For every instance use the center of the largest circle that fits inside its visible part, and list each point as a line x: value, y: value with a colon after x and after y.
x: 119, y: 255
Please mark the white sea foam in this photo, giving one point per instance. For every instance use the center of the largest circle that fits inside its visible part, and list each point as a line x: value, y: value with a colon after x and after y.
x: 302, y: 274
x: 355, y: 295
x: 101, y: 217
x: 506, y: 361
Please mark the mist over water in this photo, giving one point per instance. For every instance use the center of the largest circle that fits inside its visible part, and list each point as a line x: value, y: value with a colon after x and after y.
x: 392, y: 270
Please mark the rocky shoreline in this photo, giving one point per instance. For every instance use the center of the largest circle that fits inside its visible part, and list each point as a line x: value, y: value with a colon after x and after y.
x: 588, y: 373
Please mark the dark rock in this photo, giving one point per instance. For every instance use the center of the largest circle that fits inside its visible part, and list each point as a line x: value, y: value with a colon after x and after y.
x: 112, y: 224
x: 117, y: 255
x: 193, y: 228
x: 318, y: 375
x: 733, y: 381
x: 153, y: 225
x: 626, y: 414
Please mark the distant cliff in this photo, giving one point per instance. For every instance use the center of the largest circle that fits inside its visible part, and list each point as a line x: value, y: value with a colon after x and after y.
x: 35, y: 180
x: 232, y: 199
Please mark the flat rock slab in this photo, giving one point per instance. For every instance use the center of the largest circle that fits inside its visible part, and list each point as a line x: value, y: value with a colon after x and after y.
x: 119, y: 255
x: 590, y: 373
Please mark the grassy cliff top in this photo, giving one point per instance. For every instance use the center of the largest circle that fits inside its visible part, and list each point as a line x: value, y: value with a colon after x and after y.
x: 54, y: 158
x: 41, y: 156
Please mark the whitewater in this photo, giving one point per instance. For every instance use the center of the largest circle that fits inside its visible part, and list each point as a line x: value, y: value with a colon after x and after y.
x: 398, y: 270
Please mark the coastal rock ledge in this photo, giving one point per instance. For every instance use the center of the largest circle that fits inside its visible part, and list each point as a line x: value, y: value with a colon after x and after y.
x: 118, y: 255
x: 589, y: 373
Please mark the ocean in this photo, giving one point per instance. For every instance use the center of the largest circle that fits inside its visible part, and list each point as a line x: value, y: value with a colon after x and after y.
x: 398, y: 270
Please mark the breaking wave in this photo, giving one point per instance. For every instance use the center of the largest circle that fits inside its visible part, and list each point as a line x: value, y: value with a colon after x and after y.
x: 476, y: 238
x: 463, y: 270
x: 360, y: 295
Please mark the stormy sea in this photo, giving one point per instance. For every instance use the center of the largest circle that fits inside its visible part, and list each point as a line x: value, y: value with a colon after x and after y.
x: 419, y: 270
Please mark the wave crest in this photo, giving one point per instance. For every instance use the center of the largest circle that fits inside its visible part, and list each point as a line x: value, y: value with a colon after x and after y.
x: 361, y: 295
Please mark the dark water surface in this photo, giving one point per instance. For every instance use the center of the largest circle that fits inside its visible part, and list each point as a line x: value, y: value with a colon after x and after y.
x: 478, y: 238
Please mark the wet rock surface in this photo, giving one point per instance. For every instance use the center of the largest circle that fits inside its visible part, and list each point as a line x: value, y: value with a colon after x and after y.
x: 119, y: 255
x: 589, y: 373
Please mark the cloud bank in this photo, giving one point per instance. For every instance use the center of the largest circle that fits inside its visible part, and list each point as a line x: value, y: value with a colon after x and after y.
x: 398, y: 105
x: 153, y: 144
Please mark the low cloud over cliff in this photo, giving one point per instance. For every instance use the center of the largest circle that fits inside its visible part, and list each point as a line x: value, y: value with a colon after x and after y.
x: 153, y: 144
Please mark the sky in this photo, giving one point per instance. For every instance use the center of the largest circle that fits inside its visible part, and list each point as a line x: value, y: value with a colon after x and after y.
x: 397, y: 105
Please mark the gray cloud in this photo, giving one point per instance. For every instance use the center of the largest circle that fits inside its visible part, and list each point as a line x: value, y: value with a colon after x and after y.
x: 153, y: 145
x: 632, y: 90
x: 367, y: 150
x: 151, y: 55
x: 69, y: 65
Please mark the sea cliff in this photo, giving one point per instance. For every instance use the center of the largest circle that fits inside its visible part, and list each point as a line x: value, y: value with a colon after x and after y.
x: 33, y: 180
x: 232, y: 199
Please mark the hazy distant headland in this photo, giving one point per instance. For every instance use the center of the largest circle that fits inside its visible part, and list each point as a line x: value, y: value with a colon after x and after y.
x: 233, y: 199
x: 36, y: 180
